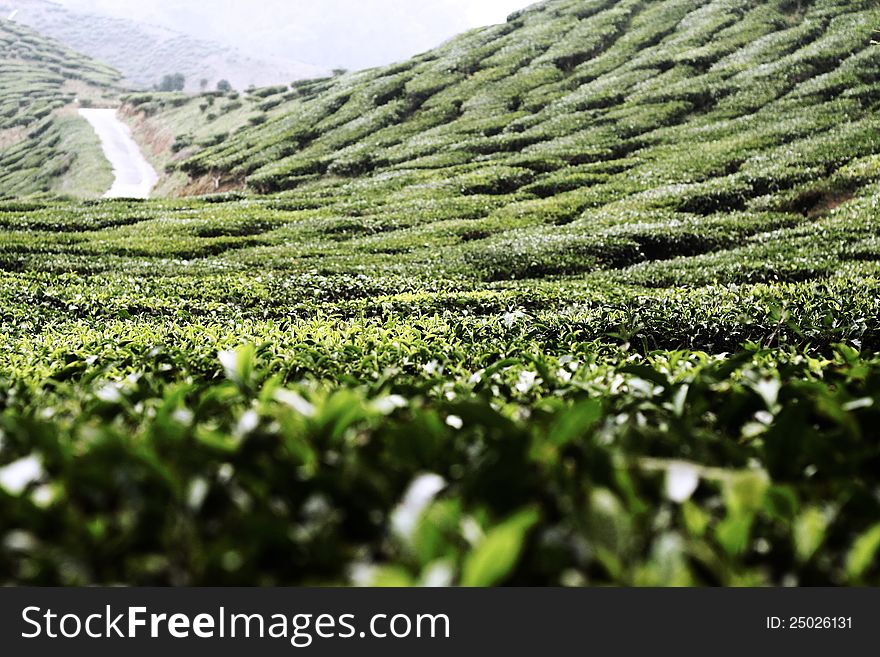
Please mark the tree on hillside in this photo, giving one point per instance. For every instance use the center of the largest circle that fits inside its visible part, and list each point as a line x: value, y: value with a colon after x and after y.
x: 203, y: 84
x: 175, y: 82
x: 224, y: 86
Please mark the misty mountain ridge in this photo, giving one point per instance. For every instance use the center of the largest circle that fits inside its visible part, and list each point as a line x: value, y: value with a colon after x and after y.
x: 331, y: 33
x: 145, y: 52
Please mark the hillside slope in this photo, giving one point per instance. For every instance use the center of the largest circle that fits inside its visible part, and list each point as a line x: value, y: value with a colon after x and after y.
x: 41, y: 138
x: 145, y: 53
x: 586, y: 135
x: 172, y: 127
x: 563, y: 88
x: 604, y: 281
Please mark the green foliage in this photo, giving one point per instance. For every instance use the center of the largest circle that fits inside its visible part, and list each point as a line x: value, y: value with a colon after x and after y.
x: 44, y: 147
x: 496, y: 554
x: 689, y: 469
x: 588, y: 298
x: 172, y: 82
x: 39, y: 76
x: 570, y: 86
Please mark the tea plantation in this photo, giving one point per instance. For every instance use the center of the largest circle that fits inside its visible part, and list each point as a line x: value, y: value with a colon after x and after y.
x: 44, y: 145
x: 588, y: 298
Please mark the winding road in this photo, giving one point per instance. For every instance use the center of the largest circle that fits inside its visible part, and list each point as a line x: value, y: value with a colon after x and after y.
x: 135, y: 177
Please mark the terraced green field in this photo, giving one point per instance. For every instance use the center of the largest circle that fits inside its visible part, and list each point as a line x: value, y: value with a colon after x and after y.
x: 172, y: 127
x: 588, y: 298
x: 44, y: 146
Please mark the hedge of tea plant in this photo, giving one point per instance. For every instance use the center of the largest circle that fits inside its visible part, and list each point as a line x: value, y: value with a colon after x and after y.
x: 596, y: 467
x: 44, y: 146
x: 587, y: 298
x: 179, y: 406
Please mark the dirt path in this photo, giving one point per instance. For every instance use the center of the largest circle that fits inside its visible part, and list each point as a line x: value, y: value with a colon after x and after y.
x: 135, y: 178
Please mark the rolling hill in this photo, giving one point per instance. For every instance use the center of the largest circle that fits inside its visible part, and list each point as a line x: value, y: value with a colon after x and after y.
x: 330, y: 33
x: 44, y: 145
x: 144, y: 53
x: 587, y: 298
x: 630, y: 83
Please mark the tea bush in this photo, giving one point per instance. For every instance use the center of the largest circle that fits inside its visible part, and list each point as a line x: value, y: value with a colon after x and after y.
x: 42, y: 147
x: 539, y: 307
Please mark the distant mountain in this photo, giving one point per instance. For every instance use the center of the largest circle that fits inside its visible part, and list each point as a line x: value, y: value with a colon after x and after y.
x: 145, y: 52
x: 330, y: 33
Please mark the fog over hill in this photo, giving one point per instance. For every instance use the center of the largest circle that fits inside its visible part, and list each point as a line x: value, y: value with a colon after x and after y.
x: 145, y: 51
x: 587, y: 298
x: 330, y: 33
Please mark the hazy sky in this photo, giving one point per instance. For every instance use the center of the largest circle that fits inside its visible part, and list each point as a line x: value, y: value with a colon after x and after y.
x: 488, y: 12
x: 348, y: 33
